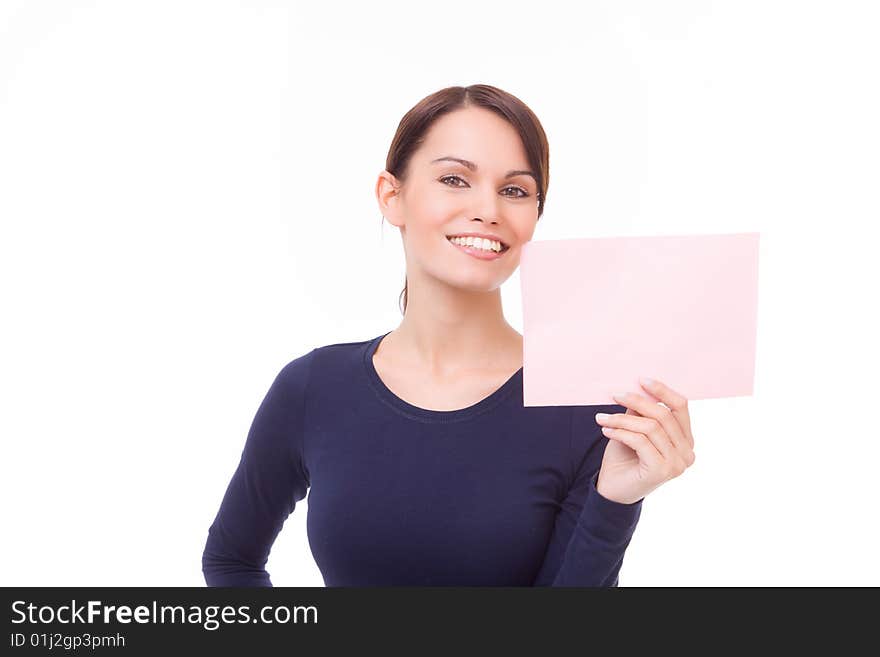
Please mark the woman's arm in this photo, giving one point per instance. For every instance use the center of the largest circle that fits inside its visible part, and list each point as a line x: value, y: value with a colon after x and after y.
x: 591, y: 533
x: 268, y: 482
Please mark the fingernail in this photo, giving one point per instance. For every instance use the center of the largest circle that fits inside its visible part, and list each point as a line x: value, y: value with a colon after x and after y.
x: 619, y: 395
x: 601, y: 416
x: 646, y: 381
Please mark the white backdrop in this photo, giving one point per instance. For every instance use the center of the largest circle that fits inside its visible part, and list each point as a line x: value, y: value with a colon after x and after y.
x: 187, y: 204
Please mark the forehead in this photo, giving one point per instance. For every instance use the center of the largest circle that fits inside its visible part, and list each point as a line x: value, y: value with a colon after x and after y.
x: 475, y: 134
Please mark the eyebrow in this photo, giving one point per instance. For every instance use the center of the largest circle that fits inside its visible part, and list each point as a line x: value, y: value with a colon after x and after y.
x: 473, y: 167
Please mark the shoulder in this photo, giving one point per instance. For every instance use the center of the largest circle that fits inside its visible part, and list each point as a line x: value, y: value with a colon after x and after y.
x: 345, y: 346
x: 296, y: 371
x: 328, y: 358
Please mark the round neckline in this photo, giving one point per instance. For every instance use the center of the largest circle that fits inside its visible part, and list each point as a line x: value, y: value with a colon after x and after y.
x: 429, y: 415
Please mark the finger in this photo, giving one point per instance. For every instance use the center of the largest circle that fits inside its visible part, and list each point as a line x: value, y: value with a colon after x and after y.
x: 648, y: 426
x: 639, y: 443
x: 660, y: 416
x: 647, y: 408
x: 675, y: 402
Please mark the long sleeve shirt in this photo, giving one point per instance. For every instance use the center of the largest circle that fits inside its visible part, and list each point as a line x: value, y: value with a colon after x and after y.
x: 495, y: 494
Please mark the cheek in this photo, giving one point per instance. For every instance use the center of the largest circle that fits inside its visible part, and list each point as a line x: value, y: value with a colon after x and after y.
x: 525, y: 228
x: 436, y: 211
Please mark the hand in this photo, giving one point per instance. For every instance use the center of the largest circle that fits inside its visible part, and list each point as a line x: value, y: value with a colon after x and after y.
x: 648, y: 445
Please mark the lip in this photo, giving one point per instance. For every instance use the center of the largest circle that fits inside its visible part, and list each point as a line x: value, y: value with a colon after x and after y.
x: 480, y: 254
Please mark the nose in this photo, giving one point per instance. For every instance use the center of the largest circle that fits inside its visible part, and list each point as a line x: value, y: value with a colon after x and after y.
x: 486, y: 207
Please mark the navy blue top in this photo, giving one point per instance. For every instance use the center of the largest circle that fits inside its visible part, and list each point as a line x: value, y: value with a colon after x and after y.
x: 495, y: 494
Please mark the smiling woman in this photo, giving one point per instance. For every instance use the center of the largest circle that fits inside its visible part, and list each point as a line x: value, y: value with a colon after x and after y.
x: 422, y: 465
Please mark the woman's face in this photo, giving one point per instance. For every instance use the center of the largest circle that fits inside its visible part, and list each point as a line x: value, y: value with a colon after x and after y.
x: 443, y: 197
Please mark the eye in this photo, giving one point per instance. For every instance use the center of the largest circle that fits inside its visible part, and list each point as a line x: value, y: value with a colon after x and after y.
x: 523, y: 194
x: 445, y: 178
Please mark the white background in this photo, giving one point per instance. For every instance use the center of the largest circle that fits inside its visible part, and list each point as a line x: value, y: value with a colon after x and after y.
x: 187, y: 204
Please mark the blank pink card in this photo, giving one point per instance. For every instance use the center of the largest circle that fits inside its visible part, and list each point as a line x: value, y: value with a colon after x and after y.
x: 599, y: 313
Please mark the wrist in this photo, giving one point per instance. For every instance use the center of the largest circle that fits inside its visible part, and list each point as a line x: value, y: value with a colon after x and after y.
x: 611, y: 496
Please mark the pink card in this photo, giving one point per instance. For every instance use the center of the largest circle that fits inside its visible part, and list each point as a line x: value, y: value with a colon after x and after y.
x: 598, y: 313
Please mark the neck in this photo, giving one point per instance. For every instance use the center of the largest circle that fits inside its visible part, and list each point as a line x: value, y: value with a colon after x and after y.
x: 449, y: 330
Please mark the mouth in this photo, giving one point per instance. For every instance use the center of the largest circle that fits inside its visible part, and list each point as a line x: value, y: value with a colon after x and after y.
x: 504, y: 247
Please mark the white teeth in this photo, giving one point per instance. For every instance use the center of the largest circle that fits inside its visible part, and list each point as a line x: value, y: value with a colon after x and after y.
x: 477, y: 242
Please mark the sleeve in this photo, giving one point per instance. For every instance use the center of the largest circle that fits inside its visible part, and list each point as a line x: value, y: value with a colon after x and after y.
x: 270, y: 479
x: 591, y: 532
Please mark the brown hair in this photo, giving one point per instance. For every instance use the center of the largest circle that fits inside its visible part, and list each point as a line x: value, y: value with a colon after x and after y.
x: 416, y: 122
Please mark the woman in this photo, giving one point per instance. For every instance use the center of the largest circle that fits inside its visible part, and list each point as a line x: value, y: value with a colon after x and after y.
x: 423, y: 466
